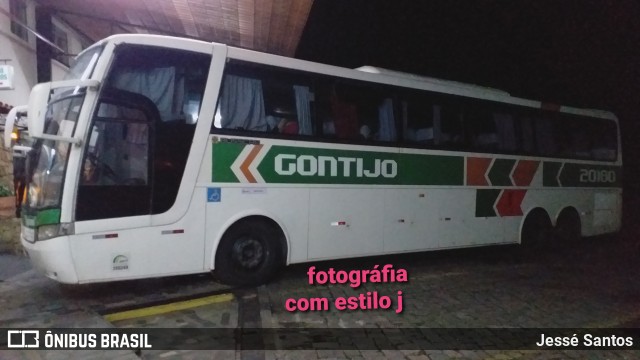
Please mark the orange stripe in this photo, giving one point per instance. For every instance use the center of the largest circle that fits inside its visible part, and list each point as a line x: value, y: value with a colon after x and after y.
x: 476, y: 168
x: 510, y: 202
x: 524, y: 172
x: 245, y: 164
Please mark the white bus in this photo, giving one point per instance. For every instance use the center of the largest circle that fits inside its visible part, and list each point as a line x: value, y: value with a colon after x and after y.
x: 164, y: 156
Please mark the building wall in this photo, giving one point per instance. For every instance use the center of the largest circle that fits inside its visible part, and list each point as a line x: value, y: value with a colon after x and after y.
x: 58, y: 69
x: 21, y: 55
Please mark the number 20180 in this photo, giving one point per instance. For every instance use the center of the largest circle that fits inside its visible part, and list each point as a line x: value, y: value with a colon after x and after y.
x: 597, y: 176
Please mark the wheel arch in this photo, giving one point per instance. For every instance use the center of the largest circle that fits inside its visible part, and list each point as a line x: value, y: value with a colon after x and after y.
x: 532, y: 212
x: 285, y: 242
x: 568, y: 210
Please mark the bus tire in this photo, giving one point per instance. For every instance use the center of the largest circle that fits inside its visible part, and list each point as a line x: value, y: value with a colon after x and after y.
x: 568, y: 227
x: 536, y: 230
x: 249, y: 253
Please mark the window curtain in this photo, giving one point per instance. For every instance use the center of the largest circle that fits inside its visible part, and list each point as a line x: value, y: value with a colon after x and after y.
x: 506, y: 131
x: 162, y: 85
x: 303, y: 99
x: 545, y: 137
x: 527, y: 135
x: 242, y: 104
x: 387, y: 130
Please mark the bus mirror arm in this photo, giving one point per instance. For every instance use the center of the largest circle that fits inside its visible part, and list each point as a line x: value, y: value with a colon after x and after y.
x: 39, y: 100
x: 72, y: 140
x: 22, y: 148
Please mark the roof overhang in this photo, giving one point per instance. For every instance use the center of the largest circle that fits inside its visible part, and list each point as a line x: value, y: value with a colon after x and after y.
x: 272, y: 26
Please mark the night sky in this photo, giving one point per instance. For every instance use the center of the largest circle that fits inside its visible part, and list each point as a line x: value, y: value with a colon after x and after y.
x: 583, y: 53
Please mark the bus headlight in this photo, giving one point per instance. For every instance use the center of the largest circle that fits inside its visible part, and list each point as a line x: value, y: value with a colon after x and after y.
x: 33, y: 195
x: 46, y: 232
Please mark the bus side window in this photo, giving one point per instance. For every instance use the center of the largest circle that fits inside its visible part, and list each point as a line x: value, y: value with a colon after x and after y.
x: 345, y: 117
x: 288, y: 107
x: 115, y: 179
x: 117, y: 152
x: 527, y: 143
x: 604, y: 143
x: 481, y: 130
x: 418, y: 122
x: 241, y: 105
x: 505, y: 129
x: 387, y: 121
x: 448, y: 120
x: 546, y: 137
x: 304, y: 98
x: 579, y: 140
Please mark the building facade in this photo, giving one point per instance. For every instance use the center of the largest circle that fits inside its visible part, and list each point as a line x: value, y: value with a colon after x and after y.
x: 26, y: 60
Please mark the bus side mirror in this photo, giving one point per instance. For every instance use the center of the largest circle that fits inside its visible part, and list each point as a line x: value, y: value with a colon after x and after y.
x: 11, y: 120
x: 38, y: 100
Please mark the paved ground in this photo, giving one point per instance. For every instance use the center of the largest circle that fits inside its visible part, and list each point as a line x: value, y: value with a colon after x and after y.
x: 589, y: 285
x: 12, y: 265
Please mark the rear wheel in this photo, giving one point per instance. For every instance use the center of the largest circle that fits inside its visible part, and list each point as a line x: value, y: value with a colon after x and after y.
x: 536, y: 230
x: 568, y: 227
x: 249, y: 253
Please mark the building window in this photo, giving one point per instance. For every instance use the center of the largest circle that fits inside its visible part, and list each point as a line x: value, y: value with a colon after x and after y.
x: 60, y: 39
x: 18, y: 11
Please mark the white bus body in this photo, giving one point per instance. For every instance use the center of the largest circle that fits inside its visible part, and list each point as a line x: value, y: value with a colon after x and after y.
x: 170, y: 156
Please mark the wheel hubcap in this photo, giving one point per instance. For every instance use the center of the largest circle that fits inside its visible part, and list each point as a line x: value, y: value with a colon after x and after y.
x: 248, y: 252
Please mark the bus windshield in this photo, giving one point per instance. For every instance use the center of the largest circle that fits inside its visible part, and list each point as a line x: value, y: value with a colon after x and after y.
x: 48, y: 159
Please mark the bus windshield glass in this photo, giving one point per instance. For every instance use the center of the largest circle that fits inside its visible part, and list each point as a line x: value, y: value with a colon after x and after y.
x: 83, y: 65
x: 48, y: 160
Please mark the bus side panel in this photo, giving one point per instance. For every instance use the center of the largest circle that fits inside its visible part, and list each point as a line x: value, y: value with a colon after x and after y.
x: 346, y: 222
x: 287, y: 206
x: 553, y: 201
x: 411, y: 219
x: 144, y: 249
x: 607, y: 211
x: 141, y: 252
x: 460, y: 223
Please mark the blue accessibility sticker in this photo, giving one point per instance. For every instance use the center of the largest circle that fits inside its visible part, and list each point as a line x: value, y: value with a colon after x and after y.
x: 214, y: 194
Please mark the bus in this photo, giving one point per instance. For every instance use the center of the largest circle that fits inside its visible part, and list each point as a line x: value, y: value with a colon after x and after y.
x: 163, y: 156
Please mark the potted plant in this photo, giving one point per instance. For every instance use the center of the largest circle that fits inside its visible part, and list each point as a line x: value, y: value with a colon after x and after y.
x: 7, y: 201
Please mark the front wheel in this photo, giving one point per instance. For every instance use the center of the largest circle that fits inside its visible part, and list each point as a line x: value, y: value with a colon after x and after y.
x: 249, y: 253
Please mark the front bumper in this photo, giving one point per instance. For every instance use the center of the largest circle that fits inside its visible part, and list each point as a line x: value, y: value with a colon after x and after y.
x: 53, y: 258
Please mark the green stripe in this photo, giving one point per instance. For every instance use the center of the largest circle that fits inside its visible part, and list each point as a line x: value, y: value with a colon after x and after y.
x: 304, y: 165
x: 485, y: 198
x: 432, y: 170
x: 41, y: 217
x: 549, y: 173
x: 500, y: 171
x: 352, y: 167
x: 581, y: 175
x: 48, y: 217
x: 224, y: 154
